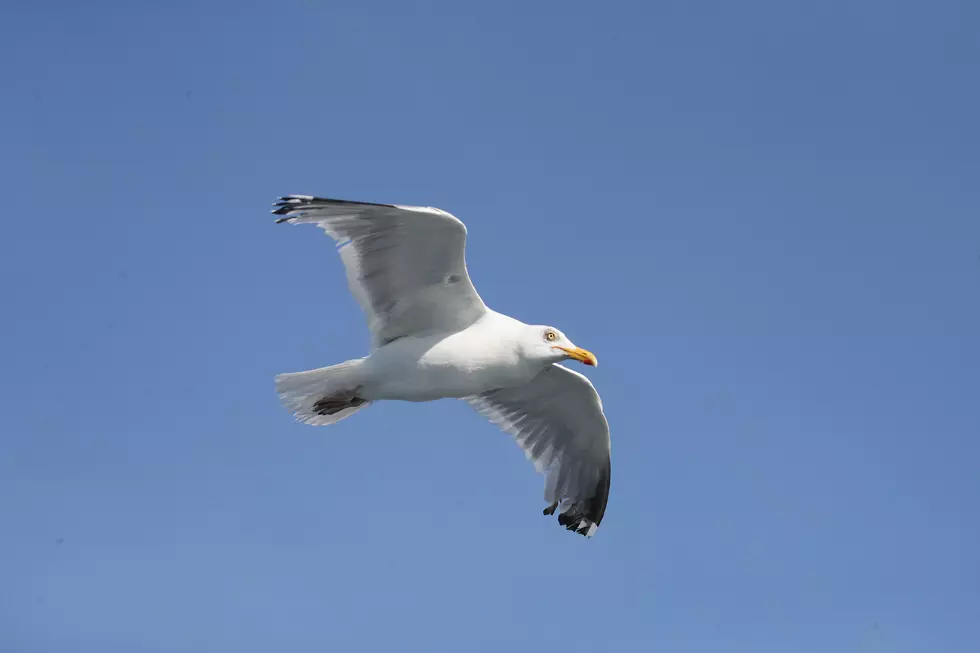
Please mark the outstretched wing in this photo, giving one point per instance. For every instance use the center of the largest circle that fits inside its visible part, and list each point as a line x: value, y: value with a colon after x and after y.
x: 406, y: 265
x: 557, y: 419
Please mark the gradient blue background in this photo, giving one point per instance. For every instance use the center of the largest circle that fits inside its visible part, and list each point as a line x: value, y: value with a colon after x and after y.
x: 763, y: 217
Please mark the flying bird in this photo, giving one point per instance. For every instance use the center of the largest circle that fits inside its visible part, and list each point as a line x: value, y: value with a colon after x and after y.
x: 433, y: 338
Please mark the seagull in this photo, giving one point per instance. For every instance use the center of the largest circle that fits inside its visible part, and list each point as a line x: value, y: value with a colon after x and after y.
x: 434, y: 338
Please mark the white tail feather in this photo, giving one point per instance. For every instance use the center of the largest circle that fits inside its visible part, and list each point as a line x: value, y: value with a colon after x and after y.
x: 300, y: 391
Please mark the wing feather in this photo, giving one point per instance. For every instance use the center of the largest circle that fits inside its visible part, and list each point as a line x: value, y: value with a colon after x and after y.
x: 558, y: 421
x: 406, y: 265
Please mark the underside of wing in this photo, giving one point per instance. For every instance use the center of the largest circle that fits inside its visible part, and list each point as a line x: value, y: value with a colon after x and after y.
x: 557, y: 420
x: 406, y: 266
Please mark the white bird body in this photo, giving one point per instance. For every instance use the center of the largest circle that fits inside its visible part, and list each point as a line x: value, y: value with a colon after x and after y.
x: 450, y: 365
x: 434, y: 338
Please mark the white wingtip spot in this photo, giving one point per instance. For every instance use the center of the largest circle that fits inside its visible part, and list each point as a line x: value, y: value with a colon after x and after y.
x: 590, y: 531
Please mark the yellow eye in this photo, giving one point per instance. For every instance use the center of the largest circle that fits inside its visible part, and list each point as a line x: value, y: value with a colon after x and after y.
x: 550, y: 336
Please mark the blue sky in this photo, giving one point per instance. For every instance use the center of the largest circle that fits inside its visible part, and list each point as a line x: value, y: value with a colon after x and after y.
x: 763, y: 217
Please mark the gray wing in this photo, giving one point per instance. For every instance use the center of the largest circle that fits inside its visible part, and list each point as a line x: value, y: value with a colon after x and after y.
x: 557, y: 420
x: 405, y: 264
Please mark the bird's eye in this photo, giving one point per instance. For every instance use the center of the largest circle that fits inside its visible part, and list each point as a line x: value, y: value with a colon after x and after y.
x: 550, y: 335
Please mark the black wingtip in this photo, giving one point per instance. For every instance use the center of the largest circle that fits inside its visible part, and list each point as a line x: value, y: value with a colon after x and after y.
x: 290, y: 203
x: 295, y: 201
x: 584, y: 517
x: 577, y: 524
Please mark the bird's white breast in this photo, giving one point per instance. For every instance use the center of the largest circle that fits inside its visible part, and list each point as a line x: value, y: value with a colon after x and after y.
x: 483, y: 357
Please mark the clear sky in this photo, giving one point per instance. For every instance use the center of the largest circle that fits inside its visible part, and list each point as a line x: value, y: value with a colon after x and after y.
x: 763, y: 217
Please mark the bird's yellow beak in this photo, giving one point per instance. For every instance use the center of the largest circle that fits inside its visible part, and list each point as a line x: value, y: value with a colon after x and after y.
x: 581, y: 355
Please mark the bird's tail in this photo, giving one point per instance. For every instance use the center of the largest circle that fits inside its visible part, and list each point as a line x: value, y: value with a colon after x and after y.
x: 323, y: 396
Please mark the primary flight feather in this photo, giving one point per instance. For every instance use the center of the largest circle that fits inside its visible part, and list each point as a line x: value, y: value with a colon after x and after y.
x: 433, y: 338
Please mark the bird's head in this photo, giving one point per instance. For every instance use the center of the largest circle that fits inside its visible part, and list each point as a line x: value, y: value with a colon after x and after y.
x: 550, y: 344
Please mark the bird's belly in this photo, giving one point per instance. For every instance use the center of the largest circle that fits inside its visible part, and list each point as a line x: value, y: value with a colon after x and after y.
x: 427, y: 384
x: 441, y: 371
